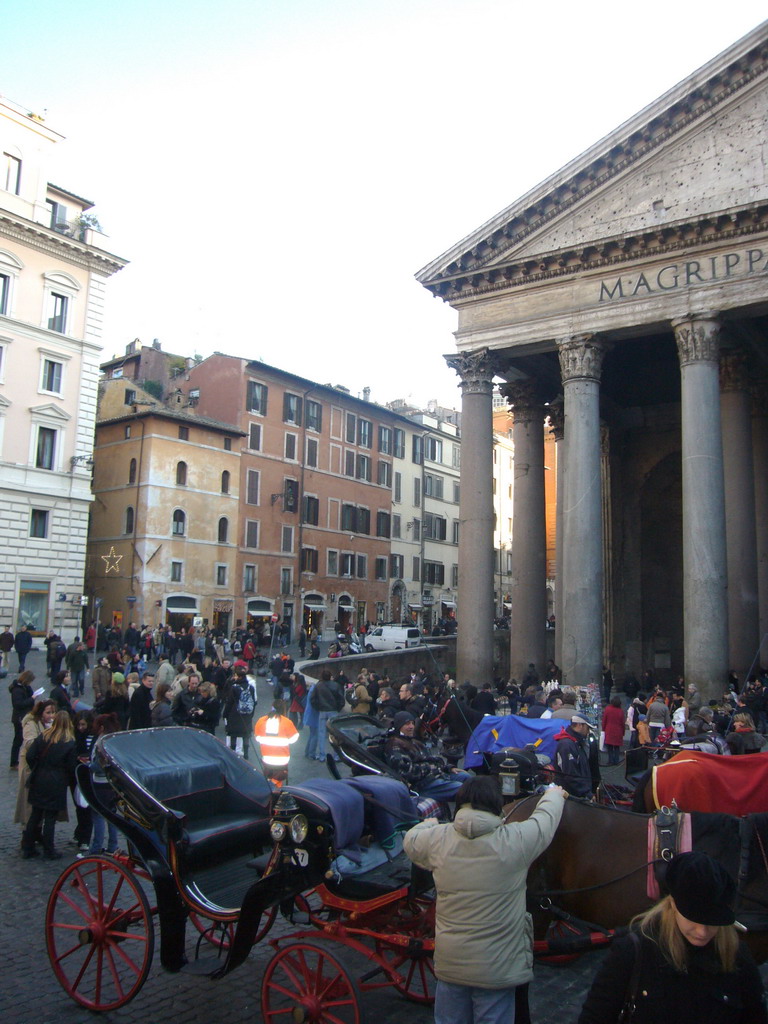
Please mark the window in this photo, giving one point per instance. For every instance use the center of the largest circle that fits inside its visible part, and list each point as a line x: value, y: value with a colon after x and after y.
x: 291, y: 409
x: 396, y: 567
x: 249, y: 578
x: 399, y: 443
x: 176, y: 571
x: 381, y: 568
x: 311, y: 510
x: 183, y: 433
x: 179, y: 524
x: 348, y: 518
x: 309, y: 560
x: 457, y: 492
x: 127, y: 432
x: 254, y: 437
x: 132, y: 471
x: 417, y: 449
x: 456, y: 457
x: 363, y: 468
x: 455, y: 532
x: 286, y: 540
x: 349, y: 463
x: 351, y: 431
x: 130, y: 397
x: 314, y: 416
x: 221, y: 575
x: 57, y: 321
x: 11, y: 173
x: 45, y: 457
x: 251, y: 533
x: 363, y: 521
x: 227, y: 444
x: 433, y: 449
x: 433, y: 486
x: 416, y: 567
x: 51, y: 376
x: 383, y: 524
x: 38, y: 523
x: 454, y: 575
x: 290, y: 447
x: 33, y: 605
x: 286, y: 581
x: 333, y: 563
x: 129, y: 520
x: 397, y: 492
x: 434, y: 527
x: 417, y: 493
x: 347, y: 565
x: 362, y: 567
x: 312, y: 450
x: 58, y: 215
x: 396, y: 526
x: 225, y: 482
x: 291, y: 496
x: 434, y: 572
x: 5, y: 292
x: 384, y: 473
x: 181, y: 474
x: 256, y: 398
x: 365, y: 433
x: 223, y: 530
x: 416, y: 524
x: 385, y: 440
x: 252, y: 487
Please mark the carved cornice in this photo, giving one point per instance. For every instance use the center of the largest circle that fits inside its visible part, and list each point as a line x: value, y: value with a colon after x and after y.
x: 468, y: 271
x: 581, y: 357
x: 476, y: 370
x: 35, y: 236
x: 525, y: 400
x: 734, y: 370
x: 698, y: 338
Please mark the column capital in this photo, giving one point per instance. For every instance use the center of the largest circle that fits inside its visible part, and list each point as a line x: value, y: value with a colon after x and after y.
x: 581, y: 357
x: 698, y: 337
x: 524, y: 399
x: 557, y: 419
x: 476, y: 370
x: 734, y: 370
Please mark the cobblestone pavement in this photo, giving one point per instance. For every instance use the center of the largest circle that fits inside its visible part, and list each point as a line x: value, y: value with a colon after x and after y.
x: 30, y: 993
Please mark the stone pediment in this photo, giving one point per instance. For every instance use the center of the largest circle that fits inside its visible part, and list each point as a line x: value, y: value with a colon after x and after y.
x: 50, y: 411
x: 690, y: 165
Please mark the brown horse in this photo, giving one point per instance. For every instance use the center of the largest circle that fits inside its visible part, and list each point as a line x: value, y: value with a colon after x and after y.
x: 596, y: 869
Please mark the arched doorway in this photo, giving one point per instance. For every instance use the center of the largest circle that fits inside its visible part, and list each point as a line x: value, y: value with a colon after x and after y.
x: 397, y: 602
x: 313, y: 613
x: 346, y: 613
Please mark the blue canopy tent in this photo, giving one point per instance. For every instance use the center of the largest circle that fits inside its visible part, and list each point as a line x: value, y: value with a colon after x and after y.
x: 496, y: 732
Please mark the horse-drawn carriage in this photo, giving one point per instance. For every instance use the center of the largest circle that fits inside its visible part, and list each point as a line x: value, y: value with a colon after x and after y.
x: 212, y: 844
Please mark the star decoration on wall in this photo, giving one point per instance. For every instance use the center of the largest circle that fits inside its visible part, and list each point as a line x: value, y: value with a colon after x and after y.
x: 111, y: 561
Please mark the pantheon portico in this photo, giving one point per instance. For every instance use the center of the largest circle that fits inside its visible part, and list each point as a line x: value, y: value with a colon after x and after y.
x: 624, y: 302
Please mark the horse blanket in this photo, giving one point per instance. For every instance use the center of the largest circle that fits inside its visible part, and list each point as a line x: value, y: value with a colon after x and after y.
x: 497, y: 732
x: 712, y: 783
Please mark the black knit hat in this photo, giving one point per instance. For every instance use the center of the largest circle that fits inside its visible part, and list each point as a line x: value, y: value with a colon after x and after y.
x: 703, y: 891
x: 401, y: 718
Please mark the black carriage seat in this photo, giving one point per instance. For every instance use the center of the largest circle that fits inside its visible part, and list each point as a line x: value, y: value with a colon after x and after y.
x: 217, y: 806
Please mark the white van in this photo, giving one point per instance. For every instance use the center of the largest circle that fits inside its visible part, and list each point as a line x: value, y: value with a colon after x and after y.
x: 392, y: 638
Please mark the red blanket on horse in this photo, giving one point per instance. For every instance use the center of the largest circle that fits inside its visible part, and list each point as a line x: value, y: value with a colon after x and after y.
x: 713, y: 783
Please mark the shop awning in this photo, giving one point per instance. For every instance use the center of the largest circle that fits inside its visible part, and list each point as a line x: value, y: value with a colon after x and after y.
x: 448, y: 604
x: 314, y: 601
x: 181, y: 604
x: 258, y: 606
x: 416, y: 607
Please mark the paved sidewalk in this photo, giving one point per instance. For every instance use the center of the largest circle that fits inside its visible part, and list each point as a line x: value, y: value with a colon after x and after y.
x: 30, y: 994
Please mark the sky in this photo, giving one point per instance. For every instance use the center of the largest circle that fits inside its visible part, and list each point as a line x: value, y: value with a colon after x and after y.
x: 277, y: 171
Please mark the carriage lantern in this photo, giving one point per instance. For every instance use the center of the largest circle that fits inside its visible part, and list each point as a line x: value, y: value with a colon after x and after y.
x: 509, y: 777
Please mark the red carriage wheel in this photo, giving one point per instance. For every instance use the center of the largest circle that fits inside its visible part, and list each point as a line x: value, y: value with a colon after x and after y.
x: 221, y: 933
x: 303, y: 982
x: 99, y: 933
x: 417, y: 971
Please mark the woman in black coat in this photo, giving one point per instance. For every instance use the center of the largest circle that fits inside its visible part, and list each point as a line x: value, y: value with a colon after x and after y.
x: 683, y: 960
x: 22, y: 701
x: 52, y: 759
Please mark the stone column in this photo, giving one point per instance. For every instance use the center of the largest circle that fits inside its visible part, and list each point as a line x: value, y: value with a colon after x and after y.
x: 705, y: 609
x: 474, y: 652
x: 760, y: 467
x: 527, y: 632
x: 740, y: 535
x: 556, y: 421
x: 581, y: 360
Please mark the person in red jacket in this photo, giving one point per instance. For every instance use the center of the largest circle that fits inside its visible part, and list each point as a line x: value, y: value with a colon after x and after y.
x: 275, y: 734
x: 613, y: 727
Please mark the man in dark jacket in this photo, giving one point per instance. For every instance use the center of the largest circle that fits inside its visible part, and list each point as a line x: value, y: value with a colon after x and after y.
x: 328, y: 700
x: 572, y: 768
x: 23, y: 644
x: 141, y: 703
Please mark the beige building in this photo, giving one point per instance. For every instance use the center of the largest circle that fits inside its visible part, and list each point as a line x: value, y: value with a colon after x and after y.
x: 163, y: 539
x: 53, y: 275
x: 630, y: 288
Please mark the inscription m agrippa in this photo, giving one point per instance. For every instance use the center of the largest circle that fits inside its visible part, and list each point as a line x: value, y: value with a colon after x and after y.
x: 674, y: 276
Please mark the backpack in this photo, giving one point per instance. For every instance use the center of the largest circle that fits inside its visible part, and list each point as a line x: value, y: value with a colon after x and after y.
x: 246, y: 701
